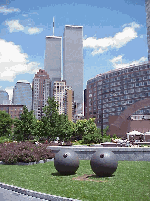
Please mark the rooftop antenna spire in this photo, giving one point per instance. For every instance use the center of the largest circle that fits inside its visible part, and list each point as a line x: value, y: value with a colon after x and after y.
x: 53, y: 26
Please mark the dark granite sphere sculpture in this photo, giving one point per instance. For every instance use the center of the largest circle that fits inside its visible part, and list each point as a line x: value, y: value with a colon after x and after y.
x: 104, y: 163
x: 66, y: 162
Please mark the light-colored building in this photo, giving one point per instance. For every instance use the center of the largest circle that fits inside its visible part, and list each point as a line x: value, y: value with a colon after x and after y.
x: 22, y: 94
x: 73, y: 62
x: 3, y: 96
x: 69, y: 103
x: 41, y: 87
x: 52, y: 62
x: 58, y: 93
x: 64, y: 96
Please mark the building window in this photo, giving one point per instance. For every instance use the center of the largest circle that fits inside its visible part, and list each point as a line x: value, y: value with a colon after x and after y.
x: 99, y: 106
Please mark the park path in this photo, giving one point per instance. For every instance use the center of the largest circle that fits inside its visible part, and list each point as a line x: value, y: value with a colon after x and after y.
x: 9, y: 195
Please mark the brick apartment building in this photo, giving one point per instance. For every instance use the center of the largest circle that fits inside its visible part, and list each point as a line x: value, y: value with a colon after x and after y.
x: 41, y: 87
x: 12, y: 110
x: 109, y: 94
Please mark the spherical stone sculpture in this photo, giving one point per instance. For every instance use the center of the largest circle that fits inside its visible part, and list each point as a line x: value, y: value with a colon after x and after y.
x: 104, y: 163
x: 66, y: 162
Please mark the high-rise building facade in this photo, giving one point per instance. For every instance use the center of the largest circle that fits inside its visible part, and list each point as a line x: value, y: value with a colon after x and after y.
x: 111, y: 93
x: 22, y: 95
x: 3, y: 96
x: 69, y: 103
x: 58, y: 93
x: 147, y: 2
x: 73, y: 62
x: 41, y: 87
x: 52, y: 62
x: 64, y: 96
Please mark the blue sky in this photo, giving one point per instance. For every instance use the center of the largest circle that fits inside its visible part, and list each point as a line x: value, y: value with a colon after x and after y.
x: 114, y: 35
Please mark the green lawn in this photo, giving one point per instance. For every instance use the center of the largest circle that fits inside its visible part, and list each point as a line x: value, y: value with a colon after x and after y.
x: 131, y: 181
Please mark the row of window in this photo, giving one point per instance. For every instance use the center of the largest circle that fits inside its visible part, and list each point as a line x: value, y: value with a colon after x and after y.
x: 121, y: 71
x: 131, y: 100
x: 120, y: 88
x: 128, y: 70
x: 124, y: 81
x: 118, y: 110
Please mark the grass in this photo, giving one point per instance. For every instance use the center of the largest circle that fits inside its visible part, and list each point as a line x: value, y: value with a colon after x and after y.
x: 131, y: 181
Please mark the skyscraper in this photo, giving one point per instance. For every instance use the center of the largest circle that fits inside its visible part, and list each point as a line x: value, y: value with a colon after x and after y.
x: 52, y: 63
x: 73, y: 62
x: 22, y: 94
x: 65, y: 97
x: 3, y: 96
x: 41, y: 91
x: 147, y: 2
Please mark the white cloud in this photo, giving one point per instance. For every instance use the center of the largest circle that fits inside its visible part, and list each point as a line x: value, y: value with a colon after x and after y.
x: 119, y: 40
x: 33, y: 30
x: 132, y: 24
x: 14, y: 62
x: 6, y: 11
x: 117, y: 62
x: 15, y: 26
x: 116, y: 59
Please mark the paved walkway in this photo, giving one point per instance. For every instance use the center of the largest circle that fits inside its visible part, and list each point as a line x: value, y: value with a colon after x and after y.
x: 14, y: 193
x: 9, y: 195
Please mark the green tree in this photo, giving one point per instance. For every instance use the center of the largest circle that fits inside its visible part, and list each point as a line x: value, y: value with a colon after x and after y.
x: 25, y: 126
x: 5, y: 124
x: 55, y: 125
x: 94, y: 138
x: 106, y: 138
x: 50, y: 119
x: 88, y: 131
x: 66, y: 128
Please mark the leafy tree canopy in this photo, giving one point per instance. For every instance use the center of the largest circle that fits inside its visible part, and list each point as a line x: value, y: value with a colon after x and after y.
x: 25, y: 126
x: 5, y: 123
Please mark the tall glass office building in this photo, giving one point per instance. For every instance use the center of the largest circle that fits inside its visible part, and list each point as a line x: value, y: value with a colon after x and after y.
x: 52, y: 62
x: 22, y: 95
x: 4, y: 97
x: 73, y: 62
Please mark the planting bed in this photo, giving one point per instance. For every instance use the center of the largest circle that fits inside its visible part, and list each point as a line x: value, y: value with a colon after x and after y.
x: 24, y: 152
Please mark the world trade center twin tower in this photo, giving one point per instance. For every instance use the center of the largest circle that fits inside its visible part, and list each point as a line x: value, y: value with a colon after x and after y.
x: 72, y: 61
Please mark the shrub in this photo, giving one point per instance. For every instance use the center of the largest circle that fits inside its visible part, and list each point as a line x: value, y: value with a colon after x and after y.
x: 5, y: 139
x: 24, y: 152
x: 106, y: 138
x: 94, y: 137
